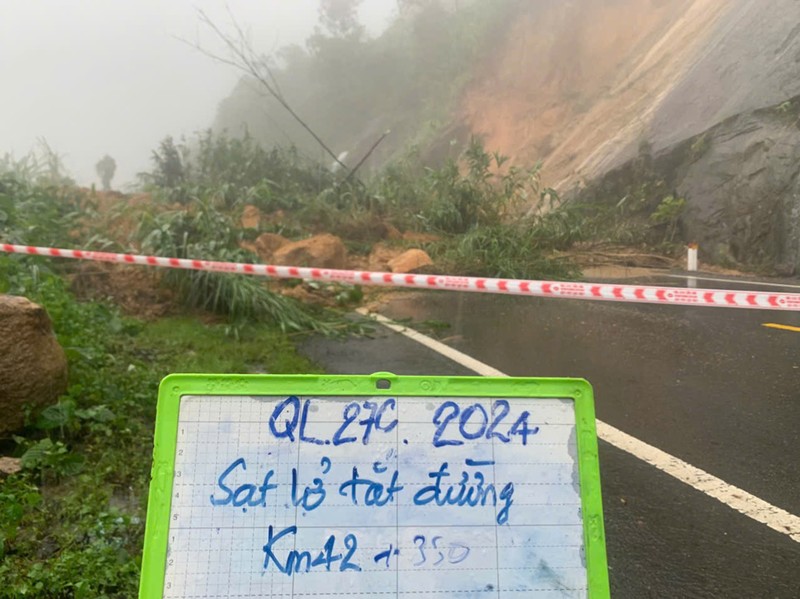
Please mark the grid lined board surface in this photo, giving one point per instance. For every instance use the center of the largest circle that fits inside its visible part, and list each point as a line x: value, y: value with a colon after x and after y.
x: 234, y: 479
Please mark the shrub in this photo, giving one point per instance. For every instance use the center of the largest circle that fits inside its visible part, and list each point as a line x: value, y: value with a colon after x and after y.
x: 204, y: 232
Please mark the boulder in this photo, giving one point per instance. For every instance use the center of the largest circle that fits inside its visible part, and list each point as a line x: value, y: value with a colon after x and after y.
x: 411, y: 261
x: 33, y: 367
x: 251, y: 217
x: 320, y: 251
x: 268, y: 243
x: 381, y: 255
x: 10, y: 465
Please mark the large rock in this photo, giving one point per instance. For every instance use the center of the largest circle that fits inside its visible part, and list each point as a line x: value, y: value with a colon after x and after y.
x: 268, y: 243
x: 33, y: 367
x: 251, y: 217
x: 320, y: 251
x: 411, y: 261
x: 381, y: 255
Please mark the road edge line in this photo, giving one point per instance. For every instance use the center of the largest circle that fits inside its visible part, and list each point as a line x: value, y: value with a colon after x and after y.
x: 737, y: 499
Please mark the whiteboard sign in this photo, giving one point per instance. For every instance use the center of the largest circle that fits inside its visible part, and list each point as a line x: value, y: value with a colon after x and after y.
x: 280, y: 486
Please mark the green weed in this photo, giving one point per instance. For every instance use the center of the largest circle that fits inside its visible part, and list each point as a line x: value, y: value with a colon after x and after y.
x: 668, y: 213
x: 507, y: 252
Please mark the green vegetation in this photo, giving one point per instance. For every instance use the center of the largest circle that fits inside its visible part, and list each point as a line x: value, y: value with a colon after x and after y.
x: 478, y: 207
x: 668, y: 213
x: 36, y: 208
x: 482, y: 210
x: 71, y: 522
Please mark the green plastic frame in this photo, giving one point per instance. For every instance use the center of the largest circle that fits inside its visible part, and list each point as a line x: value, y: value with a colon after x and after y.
x: 175, y: 386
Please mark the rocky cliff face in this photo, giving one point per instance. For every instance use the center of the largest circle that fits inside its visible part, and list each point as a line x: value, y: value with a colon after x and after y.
x: 741, y: 180
x: 586, y: 85
x: 749, y: 60
x: 743, y: 189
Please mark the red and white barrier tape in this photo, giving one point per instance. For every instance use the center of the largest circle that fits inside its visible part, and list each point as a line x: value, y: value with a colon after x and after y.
x: 589, y: 291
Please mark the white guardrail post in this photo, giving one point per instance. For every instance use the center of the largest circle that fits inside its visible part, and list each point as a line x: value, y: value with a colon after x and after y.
x: 691, y: 257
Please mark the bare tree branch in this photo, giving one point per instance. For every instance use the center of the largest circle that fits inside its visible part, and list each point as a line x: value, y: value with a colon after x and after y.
x: 247, y: 61
x: 245, y: 48
x: 367, y: 155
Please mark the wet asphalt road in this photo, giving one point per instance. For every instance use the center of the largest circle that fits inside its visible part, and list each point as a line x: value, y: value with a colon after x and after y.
x: 710, y: 386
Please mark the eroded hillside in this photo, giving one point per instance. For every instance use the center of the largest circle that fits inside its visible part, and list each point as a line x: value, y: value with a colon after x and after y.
x: 585, y: 86
x: 701, y: 86
x: 582, y: 85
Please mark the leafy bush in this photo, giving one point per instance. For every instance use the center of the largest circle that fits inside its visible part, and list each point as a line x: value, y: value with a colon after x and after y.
x: 483, y: 197
x: 34, y: 213
x: 234, y: 171
x: 475, y: 191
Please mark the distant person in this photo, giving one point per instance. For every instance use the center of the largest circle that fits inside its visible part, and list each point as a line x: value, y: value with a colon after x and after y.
x: 106, y: 168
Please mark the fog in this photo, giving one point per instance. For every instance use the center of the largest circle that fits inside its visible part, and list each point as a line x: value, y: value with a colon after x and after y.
x: 95, y: 77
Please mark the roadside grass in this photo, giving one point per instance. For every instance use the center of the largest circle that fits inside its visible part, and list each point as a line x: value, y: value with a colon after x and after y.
x: 72, y: 520
x: 505, y: 251
x: 257, y: 348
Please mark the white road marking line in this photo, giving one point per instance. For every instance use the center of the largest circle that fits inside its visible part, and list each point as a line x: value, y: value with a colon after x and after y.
x: 743, y: 502
x: 735, y: 281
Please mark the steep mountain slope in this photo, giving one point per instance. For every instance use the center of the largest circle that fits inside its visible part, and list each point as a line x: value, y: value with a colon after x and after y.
x: 583, y: 84
x: 590, y: 86
x: 576, y: 77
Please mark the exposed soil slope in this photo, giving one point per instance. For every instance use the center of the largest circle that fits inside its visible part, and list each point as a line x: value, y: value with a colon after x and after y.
x: 591, y: 87
x: 583, y: 84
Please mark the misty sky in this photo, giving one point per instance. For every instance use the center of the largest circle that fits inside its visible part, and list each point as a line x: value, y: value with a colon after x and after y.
x: 108, y: 76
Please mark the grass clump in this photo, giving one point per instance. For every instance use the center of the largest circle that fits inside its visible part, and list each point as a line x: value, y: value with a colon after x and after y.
x: 506, y: 252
